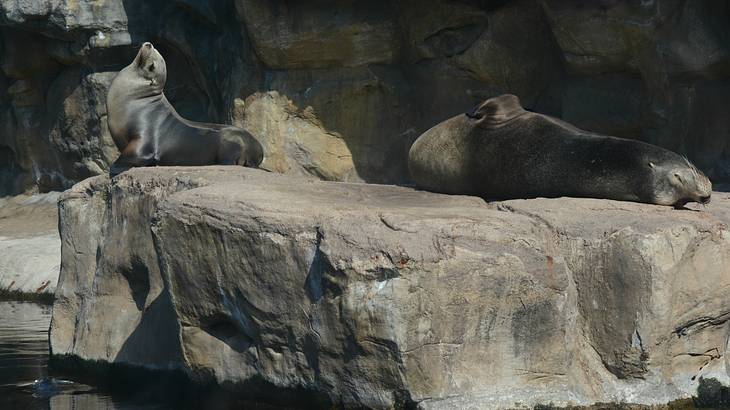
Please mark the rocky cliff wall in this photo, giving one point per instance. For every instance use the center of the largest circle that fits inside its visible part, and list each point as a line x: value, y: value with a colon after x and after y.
x: 366, y: 77
x: 374, y: 295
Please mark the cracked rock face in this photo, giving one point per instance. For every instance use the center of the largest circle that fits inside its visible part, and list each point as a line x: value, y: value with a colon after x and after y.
x: 294, y: 140
x: 377, y: 295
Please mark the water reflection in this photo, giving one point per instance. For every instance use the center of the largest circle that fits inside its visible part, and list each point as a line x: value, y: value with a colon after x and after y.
x: 25, y: 380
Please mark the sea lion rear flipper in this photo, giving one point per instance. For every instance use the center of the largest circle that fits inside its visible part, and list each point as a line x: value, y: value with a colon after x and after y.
x: 239, y: 147
x: 497, y: 110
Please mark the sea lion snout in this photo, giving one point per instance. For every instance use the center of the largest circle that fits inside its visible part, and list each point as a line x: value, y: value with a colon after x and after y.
x: 150, y: 66
x: 146, y: 50
x: 678, y: 182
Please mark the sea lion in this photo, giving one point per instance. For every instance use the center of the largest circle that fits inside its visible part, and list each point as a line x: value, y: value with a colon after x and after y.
x: 502, y: 151
x: 148, y: 131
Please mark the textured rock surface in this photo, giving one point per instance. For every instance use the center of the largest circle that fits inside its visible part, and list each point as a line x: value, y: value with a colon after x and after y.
x: 374, y: 295
x: 376, y: 73
x: 30, y: 249
x: 294, y: 140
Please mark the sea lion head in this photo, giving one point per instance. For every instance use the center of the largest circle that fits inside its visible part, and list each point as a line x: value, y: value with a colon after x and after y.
x: 149, y: 65
x: 678, y: 181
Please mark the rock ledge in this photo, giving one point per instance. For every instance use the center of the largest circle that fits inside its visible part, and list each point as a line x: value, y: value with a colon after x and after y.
x: 374, y: 295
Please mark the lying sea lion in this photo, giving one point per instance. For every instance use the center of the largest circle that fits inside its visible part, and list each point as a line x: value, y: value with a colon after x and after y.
x: 502, y: 151
x: 148, y: 131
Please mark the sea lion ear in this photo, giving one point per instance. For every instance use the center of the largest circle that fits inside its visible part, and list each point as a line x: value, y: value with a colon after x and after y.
x: 498, y: 109
x: 651, y: 165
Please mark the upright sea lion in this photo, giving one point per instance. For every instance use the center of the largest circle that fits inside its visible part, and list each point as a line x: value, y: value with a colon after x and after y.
x: 148, y: 131
x: 502, y: 151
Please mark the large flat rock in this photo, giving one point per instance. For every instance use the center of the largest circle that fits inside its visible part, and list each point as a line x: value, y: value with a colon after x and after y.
x: 30, y: 248
x: 376, y: 295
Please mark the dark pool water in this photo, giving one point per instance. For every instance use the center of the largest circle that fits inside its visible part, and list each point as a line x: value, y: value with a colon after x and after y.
x: 27, y: 381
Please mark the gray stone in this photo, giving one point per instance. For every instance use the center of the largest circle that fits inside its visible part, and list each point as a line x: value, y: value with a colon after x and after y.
x: 371, y: 108
x: 60, y: 17
x: 376, y: 295
x: 320, y: 34
x: 515, y: 61
x: 77, y: 102
x: 294, y: 140
x: 30, y: 248
x: 30, y: 265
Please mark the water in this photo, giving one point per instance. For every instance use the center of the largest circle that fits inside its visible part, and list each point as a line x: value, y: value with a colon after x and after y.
x: 27, y: 382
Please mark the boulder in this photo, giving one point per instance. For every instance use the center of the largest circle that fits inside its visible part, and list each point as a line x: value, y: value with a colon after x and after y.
x: 371, y: 108
x: 440, y: 28
x: 320, y: 34
x: 656, y: 38
x: 605, y: 36
x: 379, y: 296
x: 514, y: 60
x: 294, y: 140
x: 62, y: 18
x: 77, y: 103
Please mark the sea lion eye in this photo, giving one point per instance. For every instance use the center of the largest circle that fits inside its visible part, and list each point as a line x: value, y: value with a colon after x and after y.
x: 151, y: 67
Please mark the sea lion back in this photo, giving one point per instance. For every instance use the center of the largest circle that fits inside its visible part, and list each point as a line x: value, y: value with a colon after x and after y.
x: 434, y: 160
x: 442, y: 158
x: 501, y: 151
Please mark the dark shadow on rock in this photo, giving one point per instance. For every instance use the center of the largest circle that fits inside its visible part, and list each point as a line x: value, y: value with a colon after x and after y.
x: 174, y: 389
x: 313, y: 282
x: 155, y: 342
x: 11, y: 175
x: 371, y: 107
x: 323, y: 279
x: 138, y: 278
x: 712, y: 394
x: 227, y: 330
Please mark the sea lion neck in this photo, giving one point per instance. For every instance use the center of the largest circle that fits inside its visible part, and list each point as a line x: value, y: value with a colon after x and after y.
x: 136, y: 85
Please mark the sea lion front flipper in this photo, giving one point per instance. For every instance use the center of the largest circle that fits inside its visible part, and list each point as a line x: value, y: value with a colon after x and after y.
x: 497, y: 110
x: 130, y: 159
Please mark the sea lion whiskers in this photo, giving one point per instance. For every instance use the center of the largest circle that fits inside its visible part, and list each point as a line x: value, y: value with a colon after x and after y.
x: 702, y: 184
